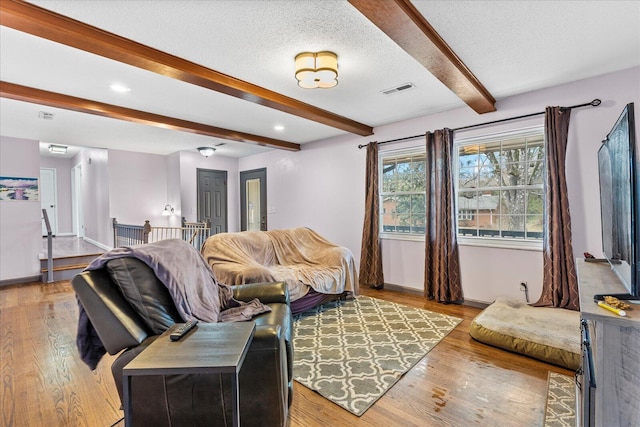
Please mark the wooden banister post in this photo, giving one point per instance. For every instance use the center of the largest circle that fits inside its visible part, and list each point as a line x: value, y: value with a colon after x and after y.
x: 145, y: 231
x: 114, y: 224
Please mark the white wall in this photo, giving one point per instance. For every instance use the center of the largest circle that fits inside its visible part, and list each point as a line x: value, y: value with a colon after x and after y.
x: 322, y: 186
x: 95, y: 195
x: 63, y: 189
x: 20, y: 221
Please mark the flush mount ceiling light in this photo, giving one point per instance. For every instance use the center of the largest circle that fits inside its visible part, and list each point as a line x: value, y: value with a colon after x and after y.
x: 206, y: 151
x: 120, y: 88
x: 317, y: 70
x: 58, y: 149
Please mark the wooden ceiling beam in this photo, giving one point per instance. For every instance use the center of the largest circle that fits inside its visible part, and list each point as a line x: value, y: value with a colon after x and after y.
x: 57, y: 100
x: 40, y: 22
x: 404, y: 24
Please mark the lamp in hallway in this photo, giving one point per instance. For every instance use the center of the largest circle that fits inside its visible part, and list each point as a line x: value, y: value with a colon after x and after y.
x: 168, y: 210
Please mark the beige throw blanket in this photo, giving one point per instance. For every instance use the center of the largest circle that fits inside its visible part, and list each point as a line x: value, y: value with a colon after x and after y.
x: 299, y: 257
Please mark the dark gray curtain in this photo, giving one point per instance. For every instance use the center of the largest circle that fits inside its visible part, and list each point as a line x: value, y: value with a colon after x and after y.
x: 442, y: 265
x: 559, y: 284
x: 370, y: 257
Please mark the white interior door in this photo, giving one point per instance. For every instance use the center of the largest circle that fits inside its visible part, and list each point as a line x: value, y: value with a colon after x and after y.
x: 48, y: 198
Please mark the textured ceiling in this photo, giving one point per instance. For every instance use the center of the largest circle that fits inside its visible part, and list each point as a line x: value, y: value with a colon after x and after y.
x: 512, y: 47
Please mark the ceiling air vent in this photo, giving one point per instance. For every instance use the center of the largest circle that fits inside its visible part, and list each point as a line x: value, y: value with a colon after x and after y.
x: 402, y: 88
x: 45, y: 115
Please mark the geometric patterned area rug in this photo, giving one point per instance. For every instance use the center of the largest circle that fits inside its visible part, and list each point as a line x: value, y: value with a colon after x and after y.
x: 351, y: 352
x: 561, y: 401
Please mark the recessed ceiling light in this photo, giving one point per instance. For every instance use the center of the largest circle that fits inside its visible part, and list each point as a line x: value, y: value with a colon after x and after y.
x: 120, y: 88
x: 279, y: 128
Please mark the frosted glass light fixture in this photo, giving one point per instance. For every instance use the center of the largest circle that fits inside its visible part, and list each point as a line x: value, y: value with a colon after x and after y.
x: 317, y: 70
x: 206, y: 151
x: 58, y: 149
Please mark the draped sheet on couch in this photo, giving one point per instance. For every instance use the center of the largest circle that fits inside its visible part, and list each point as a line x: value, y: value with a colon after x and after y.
x: 300, y: 257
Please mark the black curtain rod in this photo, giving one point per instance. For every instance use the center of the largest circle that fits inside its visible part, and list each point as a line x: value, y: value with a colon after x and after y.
x: 593, y: 103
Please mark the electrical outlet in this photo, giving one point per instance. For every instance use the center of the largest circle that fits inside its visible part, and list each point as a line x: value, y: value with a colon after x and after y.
x: 523, y: 286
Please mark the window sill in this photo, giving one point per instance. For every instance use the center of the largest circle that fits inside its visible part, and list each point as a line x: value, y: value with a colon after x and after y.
x: 487, y: 242
x: 408, y: 237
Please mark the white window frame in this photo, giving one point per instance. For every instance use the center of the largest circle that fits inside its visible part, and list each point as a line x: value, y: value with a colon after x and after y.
x: 382, y: 155
x: 497, y: 242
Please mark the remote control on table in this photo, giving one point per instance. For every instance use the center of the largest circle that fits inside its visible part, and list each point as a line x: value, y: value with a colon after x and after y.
x: 182, y: 329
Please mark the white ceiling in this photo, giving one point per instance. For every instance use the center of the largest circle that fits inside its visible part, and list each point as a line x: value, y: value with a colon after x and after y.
x: 511, y: 46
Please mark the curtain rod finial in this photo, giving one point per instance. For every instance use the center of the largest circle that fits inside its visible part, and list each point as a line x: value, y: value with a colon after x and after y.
x: 596, y: 102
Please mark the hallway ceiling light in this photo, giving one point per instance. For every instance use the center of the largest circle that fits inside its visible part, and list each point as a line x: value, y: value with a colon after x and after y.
x: 317, y: 70
x: 206, y: 151
x: 58, y: 149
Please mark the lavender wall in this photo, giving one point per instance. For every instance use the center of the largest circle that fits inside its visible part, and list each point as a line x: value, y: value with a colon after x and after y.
x: 20, y: 221
x: 322, y: 185
x: 63, y: 188
x: 137, y: 188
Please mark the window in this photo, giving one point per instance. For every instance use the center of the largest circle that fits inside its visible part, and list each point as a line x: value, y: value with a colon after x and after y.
x: 500, y: 187
x: 402, y: 195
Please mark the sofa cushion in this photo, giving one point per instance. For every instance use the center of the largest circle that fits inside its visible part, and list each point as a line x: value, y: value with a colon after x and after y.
x: 142, y: 289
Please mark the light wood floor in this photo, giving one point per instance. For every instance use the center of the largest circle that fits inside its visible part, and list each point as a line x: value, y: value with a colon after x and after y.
x: 459, y: 383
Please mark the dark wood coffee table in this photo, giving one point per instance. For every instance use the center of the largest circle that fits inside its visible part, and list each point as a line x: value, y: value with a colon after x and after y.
x: 209, y: 348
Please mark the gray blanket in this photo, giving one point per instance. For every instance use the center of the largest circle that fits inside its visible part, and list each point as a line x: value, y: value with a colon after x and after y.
x: 190, y: 282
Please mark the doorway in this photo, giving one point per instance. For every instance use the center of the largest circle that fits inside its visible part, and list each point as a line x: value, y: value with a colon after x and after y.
x: 212, y: 199
x: 76, y: 201
x: 48, y: 199
x: 253, y: 200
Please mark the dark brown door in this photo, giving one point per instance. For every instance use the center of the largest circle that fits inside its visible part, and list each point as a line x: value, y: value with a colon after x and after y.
x: 253, y: 200
x: 212, y: 199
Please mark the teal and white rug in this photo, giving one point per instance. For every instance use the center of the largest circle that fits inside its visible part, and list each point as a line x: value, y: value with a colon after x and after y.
x: 352, y: 352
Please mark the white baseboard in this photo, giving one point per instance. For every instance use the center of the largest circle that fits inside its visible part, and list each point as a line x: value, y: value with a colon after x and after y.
x: 98, y: 244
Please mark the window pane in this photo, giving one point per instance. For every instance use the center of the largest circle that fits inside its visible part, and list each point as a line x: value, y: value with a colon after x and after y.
x: 534, y: 173
x: 468, y: 178
x: 513, y: 175
x: 513, y: 201
x: 513, y: 226
x: 534, y: 226
x: 418, y: 223
x: 403, y: 223
x: 418, y: 204
x: 535, y: 202
x: 403, y: 204
x: 489, y: 176
x: 418, y: 168
x: 468, y: 157
x: 404, y: 176
x: 388, y: 175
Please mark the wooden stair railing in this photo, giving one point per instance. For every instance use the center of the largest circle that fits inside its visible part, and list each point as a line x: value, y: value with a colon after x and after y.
x: 195, y: 233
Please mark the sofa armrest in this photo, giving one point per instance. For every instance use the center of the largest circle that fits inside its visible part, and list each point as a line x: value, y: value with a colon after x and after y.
x: 267, y: 293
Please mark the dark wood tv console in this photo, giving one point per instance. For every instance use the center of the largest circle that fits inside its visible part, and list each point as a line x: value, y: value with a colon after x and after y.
x: 608, y: 383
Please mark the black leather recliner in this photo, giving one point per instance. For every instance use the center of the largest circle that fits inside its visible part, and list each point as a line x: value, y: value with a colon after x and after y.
x: 266, y: 377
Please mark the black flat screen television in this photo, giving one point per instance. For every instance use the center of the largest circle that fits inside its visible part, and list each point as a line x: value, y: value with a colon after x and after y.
x: 619, y: 171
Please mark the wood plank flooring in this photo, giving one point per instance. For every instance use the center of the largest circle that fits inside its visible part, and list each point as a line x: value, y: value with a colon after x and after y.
x: 459, y: 383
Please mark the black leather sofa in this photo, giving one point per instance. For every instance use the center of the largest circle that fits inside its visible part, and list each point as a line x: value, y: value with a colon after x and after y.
x: 266, y: 377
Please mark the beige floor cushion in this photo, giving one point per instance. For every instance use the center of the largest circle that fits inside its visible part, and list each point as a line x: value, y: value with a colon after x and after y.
x: 548, y: 334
